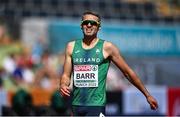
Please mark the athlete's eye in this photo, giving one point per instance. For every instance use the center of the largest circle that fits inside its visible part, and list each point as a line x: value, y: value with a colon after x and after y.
x: 92, y: 22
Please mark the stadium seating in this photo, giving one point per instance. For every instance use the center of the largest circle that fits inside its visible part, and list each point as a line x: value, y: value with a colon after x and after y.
x: 114, y: 9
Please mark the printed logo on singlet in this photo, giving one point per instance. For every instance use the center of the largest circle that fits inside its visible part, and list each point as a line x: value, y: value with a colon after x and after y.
x: 77, y: 51
x: 97, y: 50
x: 86, y: 60
x: 86, y: 75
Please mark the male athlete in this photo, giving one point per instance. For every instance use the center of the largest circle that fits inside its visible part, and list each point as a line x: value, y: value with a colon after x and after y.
x: 88, y: 59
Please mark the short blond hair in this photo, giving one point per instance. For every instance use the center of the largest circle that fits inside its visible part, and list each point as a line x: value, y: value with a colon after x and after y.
x: 92, y: 13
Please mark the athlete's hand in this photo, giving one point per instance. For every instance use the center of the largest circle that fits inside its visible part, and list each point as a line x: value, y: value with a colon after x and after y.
x: 152, y: 102
x: 65, y: 91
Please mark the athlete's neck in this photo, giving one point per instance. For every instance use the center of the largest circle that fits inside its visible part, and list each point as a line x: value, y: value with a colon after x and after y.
x: 88, y: 40
x: 89, y: 43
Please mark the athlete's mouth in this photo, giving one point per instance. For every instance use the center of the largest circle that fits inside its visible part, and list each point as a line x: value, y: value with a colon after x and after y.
x: 88, y: 30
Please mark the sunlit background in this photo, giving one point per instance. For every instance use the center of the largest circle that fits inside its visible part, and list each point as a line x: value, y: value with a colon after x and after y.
x: 33, y: 36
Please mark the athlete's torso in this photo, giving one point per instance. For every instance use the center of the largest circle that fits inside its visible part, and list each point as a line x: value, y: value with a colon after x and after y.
x: 89, y: 75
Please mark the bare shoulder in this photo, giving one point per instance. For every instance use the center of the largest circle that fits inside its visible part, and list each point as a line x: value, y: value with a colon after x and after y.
x: 70, y: 44
x: 110, y: 49
x: 69, y: 47
x: 107, y: 49
x: 108, y: 46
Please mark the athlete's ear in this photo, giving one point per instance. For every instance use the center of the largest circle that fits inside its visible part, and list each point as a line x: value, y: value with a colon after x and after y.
x: 99, y: 27
x: 81, y: 26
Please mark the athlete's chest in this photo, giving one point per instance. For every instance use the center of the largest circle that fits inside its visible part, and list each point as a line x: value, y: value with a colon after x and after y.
x: 87, y: 56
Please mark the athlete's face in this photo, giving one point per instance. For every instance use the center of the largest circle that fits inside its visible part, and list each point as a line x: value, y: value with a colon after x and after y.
x: 90, y: 25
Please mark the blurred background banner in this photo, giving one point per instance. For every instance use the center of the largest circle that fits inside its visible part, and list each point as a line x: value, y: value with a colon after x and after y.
x: 62, y: 31
x: 133, y: 40
x: 144, y: 40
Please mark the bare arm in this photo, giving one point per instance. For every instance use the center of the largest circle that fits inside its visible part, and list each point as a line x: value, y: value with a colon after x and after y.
x: 66, y: 76
x: 113, y: 53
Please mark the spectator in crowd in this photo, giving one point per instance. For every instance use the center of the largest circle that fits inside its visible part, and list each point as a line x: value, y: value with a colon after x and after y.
x: 46, y: 74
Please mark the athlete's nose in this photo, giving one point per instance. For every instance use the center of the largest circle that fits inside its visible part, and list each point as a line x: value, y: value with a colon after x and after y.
x: 89, y: 24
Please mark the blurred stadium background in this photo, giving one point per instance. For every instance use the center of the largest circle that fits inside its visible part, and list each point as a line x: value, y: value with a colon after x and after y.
x: 33, y: 35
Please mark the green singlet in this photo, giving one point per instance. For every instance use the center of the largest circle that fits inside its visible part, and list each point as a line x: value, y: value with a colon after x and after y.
x: 89, y: 75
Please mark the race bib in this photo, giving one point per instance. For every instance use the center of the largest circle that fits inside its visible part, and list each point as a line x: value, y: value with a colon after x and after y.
x: 86, y: 75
